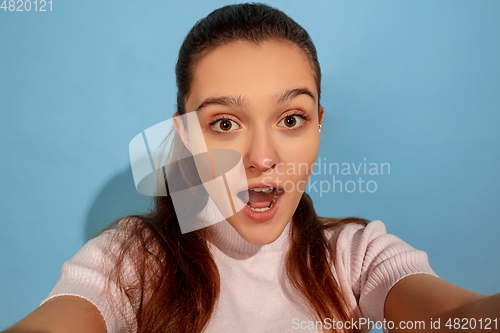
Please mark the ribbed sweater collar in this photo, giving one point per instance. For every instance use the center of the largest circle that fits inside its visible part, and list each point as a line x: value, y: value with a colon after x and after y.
x: 227, y: 239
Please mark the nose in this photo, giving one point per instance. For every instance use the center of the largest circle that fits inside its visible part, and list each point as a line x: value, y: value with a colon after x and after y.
x: 261, y: 154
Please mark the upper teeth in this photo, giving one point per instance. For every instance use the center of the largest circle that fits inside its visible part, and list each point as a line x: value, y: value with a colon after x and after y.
x: 262, y: 189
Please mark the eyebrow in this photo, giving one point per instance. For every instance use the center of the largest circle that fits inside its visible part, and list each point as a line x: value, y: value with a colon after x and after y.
x: 240, y: 102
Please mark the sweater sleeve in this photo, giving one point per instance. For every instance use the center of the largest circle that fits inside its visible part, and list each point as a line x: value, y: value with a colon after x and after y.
x: 85, y: 276
x: 374, y: 262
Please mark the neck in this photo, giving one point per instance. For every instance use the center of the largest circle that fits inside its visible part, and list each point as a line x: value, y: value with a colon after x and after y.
x: 226, y: 239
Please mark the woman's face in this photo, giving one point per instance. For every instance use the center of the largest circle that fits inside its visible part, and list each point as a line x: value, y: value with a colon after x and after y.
x: 262, y: 101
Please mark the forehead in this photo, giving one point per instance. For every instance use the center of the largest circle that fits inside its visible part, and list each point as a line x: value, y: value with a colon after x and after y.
x: 255, y: 71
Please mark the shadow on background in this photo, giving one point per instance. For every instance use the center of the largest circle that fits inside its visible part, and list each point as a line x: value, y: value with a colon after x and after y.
x: 118, y: 198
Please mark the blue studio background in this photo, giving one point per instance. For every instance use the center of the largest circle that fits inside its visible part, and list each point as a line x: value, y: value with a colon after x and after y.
x: 415, y: 84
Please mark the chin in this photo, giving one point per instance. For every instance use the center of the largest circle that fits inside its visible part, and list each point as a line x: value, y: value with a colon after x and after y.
x: 263, y: 232
x: 258, y: 234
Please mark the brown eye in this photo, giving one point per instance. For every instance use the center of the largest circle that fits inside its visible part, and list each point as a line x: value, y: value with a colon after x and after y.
x: 291, y: 121
x: 225, y: 125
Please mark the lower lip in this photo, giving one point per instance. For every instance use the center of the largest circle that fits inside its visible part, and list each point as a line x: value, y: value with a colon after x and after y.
x: 263, y: 216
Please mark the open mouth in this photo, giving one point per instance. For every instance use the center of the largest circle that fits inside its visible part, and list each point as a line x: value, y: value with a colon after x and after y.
x: 261, y: 199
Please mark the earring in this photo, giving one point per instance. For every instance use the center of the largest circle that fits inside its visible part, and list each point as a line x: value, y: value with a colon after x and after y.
x: 320, y: 125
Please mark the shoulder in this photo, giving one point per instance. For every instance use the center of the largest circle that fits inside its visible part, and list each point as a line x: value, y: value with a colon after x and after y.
x: 108, y: 244
x: 345, y: 227
x: 128, y: 237
x: 356, y: 234
x: 100, y: 253
x: 353, y: 241
x: 361, y: 248
x: 96, y: 274
x: 121, y: 228
x: 371, y: 261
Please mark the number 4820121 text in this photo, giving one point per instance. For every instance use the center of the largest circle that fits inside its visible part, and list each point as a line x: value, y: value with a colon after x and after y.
x: 26, y: 5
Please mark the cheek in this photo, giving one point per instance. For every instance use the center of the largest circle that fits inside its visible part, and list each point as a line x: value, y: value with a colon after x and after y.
x: 303, y: 149
x: 300, y: 158
x: 217, y: 141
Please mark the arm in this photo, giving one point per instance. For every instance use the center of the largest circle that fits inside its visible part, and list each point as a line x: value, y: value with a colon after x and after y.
x: 421, y: 297
x: 63, y: 314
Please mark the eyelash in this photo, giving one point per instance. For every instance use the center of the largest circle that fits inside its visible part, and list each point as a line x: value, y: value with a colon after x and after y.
x: 302, y: 115
x: 220, y: 118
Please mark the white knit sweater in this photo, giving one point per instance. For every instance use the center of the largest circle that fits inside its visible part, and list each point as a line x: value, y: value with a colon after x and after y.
x: 254, y: 295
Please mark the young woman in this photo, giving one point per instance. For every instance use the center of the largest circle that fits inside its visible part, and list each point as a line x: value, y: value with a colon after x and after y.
x: 252, y: 76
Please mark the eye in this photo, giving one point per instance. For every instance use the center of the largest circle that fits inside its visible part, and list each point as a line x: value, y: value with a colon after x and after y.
x: 291, y: 121
x: 225, y: 125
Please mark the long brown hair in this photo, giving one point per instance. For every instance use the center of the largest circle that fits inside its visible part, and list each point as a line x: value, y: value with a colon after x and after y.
x: 176, y: 281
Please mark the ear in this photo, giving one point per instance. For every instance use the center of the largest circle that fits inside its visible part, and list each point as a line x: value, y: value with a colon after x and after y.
x: 179, y: 127
x: 320, y: 114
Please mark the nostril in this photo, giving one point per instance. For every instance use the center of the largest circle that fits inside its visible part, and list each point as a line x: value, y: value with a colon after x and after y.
x: 269, y: 163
